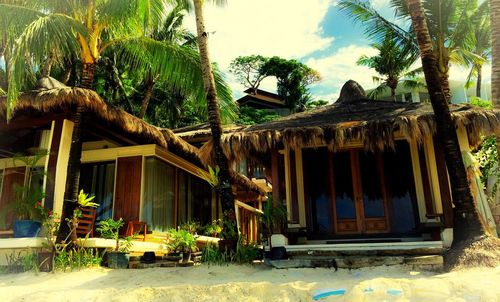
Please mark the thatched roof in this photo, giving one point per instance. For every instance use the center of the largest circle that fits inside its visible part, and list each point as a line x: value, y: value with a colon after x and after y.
x: 66, y: 99
x: 354, y: 117
x: 201, y: 133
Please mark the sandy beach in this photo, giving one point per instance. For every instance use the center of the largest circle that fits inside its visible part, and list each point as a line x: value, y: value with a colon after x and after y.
x: 247, y: 283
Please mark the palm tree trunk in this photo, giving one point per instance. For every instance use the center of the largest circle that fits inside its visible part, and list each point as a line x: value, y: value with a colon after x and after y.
x: 495, y: 52
x: 224, y: 186
x: 47, y: 67
x: 495, y: 57
x: 74, y: 162
x: 147, y: 97
x: 467, y: 224
x: 72, y: 178
x: 479, y: 80
x: 87, y: 75
x: 445, y: 85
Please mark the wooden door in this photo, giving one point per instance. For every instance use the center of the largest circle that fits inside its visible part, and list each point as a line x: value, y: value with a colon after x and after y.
x: 358, y: 193
x: 128, y: 188
x: 11, y: 177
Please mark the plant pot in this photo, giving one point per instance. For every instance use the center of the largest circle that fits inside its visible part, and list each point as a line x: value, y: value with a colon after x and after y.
x: 117, y: 260
x: 177, y: 257
x: 26, y: 228
x: 186, y: 257
x: 45, y: 261
x: 226, y: 245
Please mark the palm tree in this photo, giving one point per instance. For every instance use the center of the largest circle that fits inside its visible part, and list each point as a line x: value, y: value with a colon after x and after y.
x: 495, y: 52
x: 481, y: 44
x: 224, y: 183
x: 448, y: 25
x: 467, y: 224
x: 90, y: 29
x: 393, y: 63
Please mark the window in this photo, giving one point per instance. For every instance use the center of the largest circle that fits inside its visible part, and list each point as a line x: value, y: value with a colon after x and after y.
x: 158, y: 195
x: 195, y: 199
x: 98, y: 179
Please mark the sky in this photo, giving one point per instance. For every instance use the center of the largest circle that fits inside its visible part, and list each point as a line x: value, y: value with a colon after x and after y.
x: 311, y: 31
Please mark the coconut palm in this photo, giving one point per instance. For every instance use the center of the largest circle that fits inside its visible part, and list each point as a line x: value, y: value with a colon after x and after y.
x: 495, y: 52
x: 449, y: 28
x: 224, y: 183
x: 393, y: 63
x: 467, y: 224
x: 481, y: 44
x: 90, y: 29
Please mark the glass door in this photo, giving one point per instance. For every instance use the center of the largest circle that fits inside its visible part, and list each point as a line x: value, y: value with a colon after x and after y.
x: 358, y: 192
x: 346, y: 205
x: 373, y: 192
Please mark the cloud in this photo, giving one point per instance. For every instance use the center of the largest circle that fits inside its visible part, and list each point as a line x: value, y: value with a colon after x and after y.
x: 285, y: 28
x: 340, y: 67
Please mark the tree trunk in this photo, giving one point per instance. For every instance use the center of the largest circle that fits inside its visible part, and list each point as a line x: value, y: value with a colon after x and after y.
x: 445, y: 85
x: 72, y: 178
x: 224, y: 186
x: 66, y: 75
x: 467, y: 224
x: 47, y: 67
x: 495, y: 57
x: 147, y: 97
x: 87, y: 75
x: 479, y: 80
x: 74, y: 162
x: 495, y: 52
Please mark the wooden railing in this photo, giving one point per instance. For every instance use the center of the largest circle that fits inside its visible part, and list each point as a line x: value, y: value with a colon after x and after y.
x: 248, y: 221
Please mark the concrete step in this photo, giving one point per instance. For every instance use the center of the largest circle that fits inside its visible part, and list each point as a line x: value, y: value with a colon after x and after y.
x: 427, y: 262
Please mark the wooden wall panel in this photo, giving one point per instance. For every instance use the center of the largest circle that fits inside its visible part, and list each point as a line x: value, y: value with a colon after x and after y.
x: 128, y: 188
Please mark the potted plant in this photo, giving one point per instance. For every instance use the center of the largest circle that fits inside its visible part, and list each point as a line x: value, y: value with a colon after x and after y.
x: 181, y: 242
x: 273, y: 218
x: 27, y: 205
x: 28, y: 211
x: 110, y: 229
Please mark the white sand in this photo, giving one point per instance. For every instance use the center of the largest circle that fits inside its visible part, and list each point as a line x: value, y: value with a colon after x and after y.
x: 245, y: 283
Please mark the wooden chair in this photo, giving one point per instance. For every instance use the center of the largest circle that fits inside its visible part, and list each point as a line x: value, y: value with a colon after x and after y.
x: 135, y: 228
x: 86, y: 222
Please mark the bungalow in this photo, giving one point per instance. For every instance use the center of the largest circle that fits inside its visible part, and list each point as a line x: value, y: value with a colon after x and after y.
x: 360, y: 170
x: 264, y: 100
x: 137, y: 171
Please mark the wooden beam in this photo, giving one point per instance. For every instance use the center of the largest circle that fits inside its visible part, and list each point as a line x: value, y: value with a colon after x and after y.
x: 28, y: 122
x: 275, y: 176
x: 300, y: 187
x: 52, y: 162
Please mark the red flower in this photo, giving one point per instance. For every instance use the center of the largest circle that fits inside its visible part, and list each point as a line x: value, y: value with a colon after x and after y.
x: 50, y: 213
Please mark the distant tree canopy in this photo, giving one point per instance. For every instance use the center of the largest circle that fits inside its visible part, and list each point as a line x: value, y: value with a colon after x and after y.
x: 248, y: 70
x: 251, y: 116
x: 293, y: 77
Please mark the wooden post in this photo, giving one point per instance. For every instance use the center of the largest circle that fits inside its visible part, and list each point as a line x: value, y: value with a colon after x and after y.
x: 52, y: 164
x: 275, y: 176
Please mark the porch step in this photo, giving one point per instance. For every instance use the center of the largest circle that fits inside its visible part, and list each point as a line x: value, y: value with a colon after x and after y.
x: 427, y: 262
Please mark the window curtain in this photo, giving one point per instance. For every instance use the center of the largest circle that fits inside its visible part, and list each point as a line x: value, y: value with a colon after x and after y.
x: 185, y: 197
x: 158, y: 195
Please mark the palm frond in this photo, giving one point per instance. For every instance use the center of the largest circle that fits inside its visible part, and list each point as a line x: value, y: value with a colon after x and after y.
x: 375, y: 26
x: 380, y: 89
x: 176, y: 65
x: 47, y: 33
